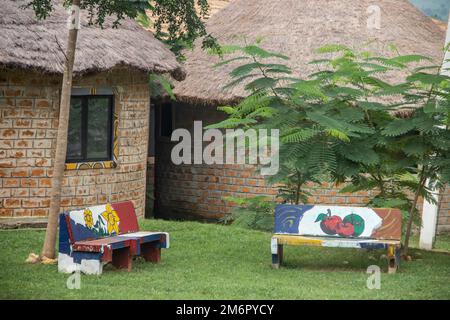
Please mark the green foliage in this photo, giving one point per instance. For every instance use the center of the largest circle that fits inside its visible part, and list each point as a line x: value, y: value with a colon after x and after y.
x: 255, y: 213
x: 98, y: 10
x: 340, y: 122
x: 179, y: 24
x: 159, y: 86
x: 176, y: 23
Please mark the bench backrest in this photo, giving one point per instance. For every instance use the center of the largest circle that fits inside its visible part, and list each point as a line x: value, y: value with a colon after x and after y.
x: 340, y: 222
x: 100, y: 221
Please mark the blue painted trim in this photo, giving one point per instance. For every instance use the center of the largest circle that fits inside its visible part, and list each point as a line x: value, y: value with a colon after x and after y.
x: 288, y: 217
x: 119, y: 245
x: 163, y: 245
x: 275, y: 259
x: 80, y: 232
x: 64, y: 240
x: 138, y: 247
x: 398, y: 258
x: 78, y: 256
x: 152, y: 237
x: 373, y: 245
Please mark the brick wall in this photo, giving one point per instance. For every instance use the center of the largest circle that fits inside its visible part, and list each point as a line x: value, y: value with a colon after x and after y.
x: 444, y: 213
x: 29, y: 105
x: 198, y: 191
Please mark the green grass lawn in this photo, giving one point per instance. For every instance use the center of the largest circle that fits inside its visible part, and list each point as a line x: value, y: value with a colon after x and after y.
x: 208, y: 261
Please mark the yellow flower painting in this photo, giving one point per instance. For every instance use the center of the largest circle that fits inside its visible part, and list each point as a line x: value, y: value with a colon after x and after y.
x: 112, y: 219
x: 88, y: 220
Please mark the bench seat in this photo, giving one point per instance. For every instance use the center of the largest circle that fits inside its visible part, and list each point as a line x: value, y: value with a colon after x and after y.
x: 145, y: 237
x: 100, y: 245
x: 370, y: 244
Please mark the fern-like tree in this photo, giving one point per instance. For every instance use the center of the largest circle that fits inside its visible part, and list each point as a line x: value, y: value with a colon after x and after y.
x: 425, y: 137
x: 184, y: 25
x: 341, y: 122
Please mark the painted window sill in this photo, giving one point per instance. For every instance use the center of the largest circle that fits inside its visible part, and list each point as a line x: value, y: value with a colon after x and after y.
x: 91, y: 165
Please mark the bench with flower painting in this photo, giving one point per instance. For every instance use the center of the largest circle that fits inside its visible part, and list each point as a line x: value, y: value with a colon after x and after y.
x: 97, y: 235
x: 333, y: 226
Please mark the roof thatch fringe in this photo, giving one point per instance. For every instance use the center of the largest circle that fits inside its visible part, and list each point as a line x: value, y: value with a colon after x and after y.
x: 296, y: 28
x: 26, y: 42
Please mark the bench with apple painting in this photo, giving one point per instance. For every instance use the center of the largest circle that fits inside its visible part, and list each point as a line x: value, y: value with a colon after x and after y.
x: 334, y: 226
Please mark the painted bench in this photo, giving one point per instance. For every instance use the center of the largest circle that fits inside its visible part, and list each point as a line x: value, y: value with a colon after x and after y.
x: 334, y: 226
x: 94, y: 236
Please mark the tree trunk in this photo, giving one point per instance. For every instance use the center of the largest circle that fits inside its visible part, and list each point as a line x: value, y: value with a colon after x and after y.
x: 297, y: 191
x: 48, y: 249
x: 411, y: 215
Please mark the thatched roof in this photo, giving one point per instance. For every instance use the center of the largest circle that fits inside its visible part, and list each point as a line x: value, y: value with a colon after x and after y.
x: 296, y: 28
x: 26, y: 42
x: 216, y: 6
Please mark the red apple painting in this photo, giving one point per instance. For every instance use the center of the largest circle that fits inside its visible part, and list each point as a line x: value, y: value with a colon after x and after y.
x: 345, y: 229
x: 351, y: 226
x: 357, y: 223
x: 329, y: 223
x: 337, y: 221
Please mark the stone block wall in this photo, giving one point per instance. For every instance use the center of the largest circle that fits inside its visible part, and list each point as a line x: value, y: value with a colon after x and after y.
x: 29, y: 103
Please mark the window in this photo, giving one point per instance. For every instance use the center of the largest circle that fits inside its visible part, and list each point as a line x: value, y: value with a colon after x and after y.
x: 90, y: 128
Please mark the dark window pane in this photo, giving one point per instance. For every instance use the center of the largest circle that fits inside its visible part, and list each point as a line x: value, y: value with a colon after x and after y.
x: 98, y: 128
x: 166, y: 120
x: 74, y: 150
x: 90, y: 123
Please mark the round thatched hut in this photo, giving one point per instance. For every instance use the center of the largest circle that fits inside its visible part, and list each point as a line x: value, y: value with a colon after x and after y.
x: 294, y: 28
x: 108, y: 134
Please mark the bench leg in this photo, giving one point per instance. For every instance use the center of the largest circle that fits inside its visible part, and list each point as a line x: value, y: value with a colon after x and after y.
x: 151, y: 252
x: 277, y: 253
x: 393, y: 258
x: 122, y: 258
x: 91, y: 267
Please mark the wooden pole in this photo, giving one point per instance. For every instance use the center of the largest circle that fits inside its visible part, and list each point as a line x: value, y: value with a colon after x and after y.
x: 48, y: 249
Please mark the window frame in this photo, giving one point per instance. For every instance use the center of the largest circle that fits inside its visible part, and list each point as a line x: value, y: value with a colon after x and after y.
x: 84, y: 129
